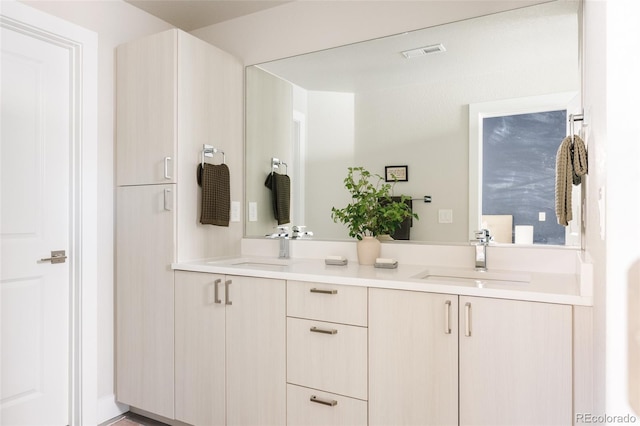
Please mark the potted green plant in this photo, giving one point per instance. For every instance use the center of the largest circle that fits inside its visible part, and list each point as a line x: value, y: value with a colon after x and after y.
x: 371, y: 213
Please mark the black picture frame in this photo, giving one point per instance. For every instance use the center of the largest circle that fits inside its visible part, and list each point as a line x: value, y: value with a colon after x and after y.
x: 401, y: 173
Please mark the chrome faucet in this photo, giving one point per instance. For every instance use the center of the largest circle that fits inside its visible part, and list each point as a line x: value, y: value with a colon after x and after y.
x: 284, y: 236
x: 483, y: 238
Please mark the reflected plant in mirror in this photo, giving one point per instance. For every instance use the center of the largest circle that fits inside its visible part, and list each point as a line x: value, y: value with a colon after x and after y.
x: 373, y: 211
x: 369, y: 104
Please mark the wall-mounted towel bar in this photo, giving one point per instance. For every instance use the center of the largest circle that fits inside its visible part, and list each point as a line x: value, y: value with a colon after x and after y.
x: 426, y: 199
x: 209, y: 151
x: 276, y: 163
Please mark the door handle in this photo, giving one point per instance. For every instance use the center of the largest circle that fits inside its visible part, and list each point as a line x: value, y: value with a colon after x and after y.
x: 216, y: 294
x: 467, y: 319
x: 166, y: 167
x: 227, y: 299
x: 447, y: 315
x: 213, y: 296
x: 168, y: 200
x: 57, y: 256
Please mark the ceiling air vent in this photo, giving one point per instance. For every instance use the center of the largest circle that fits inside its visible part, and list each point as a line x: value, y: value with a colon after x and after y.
x: 421, y: 51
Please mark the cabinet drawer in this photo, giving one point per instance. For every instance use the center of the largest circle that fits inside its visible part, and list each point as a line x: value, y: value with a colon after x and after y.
x: 327, y: 302
x: 327, y: 356
x: 310, y: 407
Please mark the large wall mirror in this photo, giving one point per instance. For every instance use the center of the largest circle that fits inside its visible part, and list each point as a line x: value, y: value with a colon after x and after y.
x: 369, y: 104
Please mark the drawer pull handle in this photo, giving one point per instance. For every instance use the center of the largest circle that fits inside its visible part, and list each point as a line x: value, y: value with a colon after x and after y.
x: 329, y: 402
x: 323, y: 330
x: 318, y: 290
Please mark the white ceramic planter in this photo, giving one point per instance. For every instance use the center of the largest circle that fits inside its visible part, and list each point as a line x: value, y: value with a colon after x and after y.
x: 368, y: 250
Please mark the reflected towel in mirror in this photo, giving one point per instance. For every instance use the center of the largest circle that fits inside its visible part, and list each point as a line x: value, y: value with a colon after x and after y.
x: 571, y: 165
x: 280, y: 186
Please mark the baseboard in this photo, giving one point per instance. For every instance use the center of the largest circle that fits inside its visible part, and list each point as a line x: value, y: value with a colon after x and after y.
x: 108, y: 408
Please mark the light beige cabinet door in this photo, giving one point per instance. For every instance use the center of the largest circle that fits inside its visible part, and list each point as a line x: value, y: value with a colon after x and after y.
x: 144, y: 297
x: 146, y: 100
x: 200, y: 348
x: 515, y: 362
x: 256, y: 351
x: 413, y: 358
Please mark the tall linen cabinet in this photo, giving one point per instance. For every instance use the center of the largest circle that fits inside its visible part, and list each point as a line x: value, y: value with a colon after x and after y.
x: 174, y: 94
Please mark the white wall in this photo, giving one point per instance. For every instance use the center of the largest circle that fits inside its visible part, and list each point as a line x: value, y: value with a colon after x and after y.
x: 115, y: 22
x: 622, y: 196
x: 331, y: 149
x: 611, y: 90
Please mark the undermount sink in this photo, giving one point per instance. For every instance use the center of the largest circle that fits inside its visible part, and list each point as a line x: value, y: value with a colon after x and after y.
x: 474, y: 276
x: 256, y: 263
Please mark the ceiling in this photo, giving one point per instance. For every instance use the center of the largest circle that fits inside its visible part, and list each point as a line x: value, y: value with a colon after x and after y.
x: 190, y: 15
x: 489, y: 45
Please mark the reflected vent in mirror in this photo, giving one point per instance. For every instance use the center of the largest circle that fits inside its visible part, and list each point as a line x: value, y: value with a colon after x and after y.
x: 422, y: 51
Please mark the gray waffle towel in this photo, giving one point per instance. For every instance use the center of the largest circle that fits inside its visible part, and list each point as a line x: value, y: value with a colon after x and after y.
x: 216, y: 194
x: 280, y: 187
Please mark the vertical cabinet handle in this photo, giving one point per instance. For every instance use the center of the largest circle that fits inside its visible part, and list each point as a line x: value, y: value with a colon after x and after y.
x: 467, y: 319
x: 168, y: 200
x: 166, y: 167
x: 329, y: 402
x: 216, y: 291
x: 447, y: 317
x: 227, y: 299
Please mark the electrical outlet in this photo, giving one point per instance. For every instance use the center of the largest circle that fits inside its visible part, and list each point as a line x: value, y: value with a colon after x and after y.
x: 445, y: 216
x: 235, y: 211
x: 542, y: 216
x: 253, y: 211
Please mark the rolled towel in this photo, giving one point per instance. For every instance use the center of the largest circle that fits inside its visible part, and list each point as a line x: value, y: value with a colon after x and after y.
x: 216, y: 194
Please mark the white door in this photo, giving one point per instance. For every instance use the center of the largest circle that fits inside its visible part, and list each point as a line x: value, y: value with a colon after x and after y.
x: 35, y: 173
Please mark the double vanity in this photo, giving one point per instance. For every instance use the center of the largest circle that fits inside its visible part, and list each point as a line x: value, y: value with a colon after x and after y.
x: 302, y: 342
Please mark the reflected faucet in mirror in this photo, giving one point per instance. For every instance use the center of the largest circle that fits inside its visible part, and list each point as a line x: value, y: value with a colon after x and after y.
x: 483, y: 238
x: 297, y: 232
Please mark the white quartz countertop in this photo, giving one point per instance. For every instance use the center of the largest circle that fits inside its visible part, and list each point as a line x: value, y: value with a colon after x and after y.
x: 516, y: 285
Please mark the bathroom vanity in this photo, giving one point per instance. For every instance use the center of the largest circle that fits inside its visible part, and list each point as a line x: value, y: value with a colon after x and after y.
x: 309, y: 343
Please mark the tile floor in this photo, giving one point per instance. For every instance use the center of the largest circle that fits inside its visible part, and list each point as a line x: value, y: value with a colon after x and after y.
x: 131, y: 419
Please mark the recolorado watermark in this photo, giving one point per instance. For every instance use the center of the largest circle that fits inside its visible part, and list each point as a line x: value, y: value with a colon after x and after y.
x: 590, y: 418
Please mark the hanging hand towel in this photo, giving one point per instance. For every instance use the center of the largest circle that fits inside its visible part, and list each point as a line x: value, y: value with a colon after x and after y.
x: 571, y: 165
x: 404, y: 230
x: 280, y: 187
x: 216, y: 194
